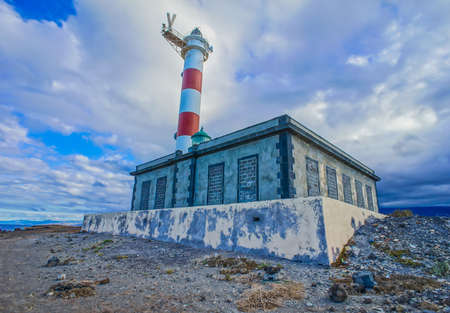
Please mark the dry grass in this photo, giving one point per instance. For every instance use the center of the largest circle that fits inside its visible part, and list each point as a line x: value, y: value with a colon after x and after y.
x: 343, y: 254
x: 248, y: 278
x: 397, y: 255
x: 75, y: 289
x: 72, y: 289
x: 238, y: 269
x: 402, y: 213
x: 399, y: 283
x: 396, y: 284
x: 261, y: 298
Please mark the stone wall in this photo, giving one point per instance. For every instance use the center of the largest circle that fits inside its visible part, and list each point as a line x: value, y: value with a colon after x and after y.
x: 300, y: 229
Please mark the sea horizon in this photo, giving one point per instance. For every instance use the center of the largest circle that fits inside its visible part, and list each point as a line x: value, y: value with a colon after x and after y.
x: 11, y: 225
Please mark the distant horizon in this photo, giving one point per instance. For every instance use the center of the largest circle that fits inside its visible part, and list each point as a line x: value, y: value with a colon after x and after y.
x: 444, y: 211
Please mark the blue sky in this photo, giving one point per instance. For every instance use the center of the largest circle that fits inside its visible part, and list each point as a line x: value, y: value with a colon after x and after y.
x: 88, y: 89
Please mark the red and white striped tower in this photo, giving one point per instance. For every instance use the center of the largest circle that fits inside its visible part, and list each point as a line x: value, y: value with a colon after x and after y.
x: 195, y: 52
x: 194, y: 49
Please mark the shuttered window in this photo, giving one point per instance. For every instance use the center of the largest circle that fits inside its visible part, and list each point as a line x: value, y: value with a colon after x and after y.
x: 332, y: 183
x: 369, y: 197
x: 312, y: 177
x: 215, y: 184
x: 248, y: 179
x: 145, y: 194
x: 160, y: 194
x: 359, y: 194
x: 347, y: 189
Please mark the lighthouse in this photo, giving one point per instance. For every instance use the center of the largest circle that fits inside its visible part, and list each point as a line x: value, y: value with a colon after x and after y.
x: 194, y: 49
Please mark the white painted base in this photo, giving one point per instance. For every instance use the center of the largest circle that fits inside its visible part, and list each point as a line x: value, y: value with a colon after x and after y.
x: 301, y: 229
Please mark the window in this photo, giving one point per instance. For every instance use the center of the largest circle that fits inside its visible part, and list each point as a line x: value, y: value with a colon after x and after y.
x: 248, y: 179
x: 332, y: 183
x: 160, y: 194
x: 145, y: 194
x: 215, y: 184
x: 369, y: 198
x: 312, y: 177
x: 347, y: 189
x: 359, y: 194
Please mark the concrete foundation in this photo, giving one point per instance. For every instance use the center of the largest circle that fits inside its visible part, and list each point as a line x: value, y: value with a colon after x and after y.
x: 310, y: 229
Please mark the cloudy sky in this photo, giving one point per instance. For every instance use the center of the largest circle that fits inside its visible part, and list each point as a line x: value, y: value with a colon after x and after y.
x: 89, y: 89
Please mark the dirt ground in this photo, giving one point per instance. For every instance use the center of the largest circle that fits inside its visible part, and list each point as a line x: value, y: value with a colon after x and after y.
x: 126, y: 274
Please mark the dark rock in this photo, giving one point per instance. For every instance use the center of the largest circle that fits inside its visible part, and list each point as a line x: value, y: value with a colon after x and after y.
x: 372, y: 256
x: 337, y: 293
x: 271, y: 270
x: 358, y: 288
x: 270, y: 277
x: 367, y: 300
x: 364, y: 279
x: 402, y: 299
x: 53, y: 261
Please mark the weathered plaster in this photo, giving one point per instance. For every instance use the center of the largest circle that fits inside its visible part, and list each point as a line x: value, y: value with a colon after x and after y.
x: 299, y: 229
x: 341, y: 221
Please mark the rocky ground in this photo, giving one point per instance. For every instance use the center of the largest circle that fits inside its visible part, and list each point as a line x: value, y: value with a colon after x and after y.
x: 391, y: 265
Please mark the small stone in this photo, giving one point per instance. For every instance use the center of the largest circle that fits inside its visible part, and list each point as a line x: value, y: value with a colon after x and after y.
x: 337, y: 293
x: 358, y: 288
x: 309, y: 304
x: 61, y: 276
x: 372, y: 256
x: 356, y: 251
x: 53, y: 261
x: 331, y: 309
x: 271, y: 270
x: 102, y: 281
x: 270, y: 277
x: 365, y: 279
x: 367, y: 301
x: 402, y: 299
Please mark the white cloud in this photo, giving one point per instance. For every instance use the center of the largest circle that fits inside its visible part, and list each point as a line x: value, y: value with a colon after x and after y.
x: 108, y: 71
x: 358, y: 60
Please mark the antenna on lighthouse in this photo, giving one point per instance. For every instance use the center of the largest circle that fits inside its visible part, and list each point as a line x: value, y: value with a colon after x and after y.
x: 173, y: 37
x: 194, y: 49
x: 177, y: 40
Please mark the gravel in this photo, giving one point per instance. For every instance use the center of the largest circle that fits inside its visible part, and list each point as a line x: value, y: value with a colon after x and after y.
x: 141, y: 275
